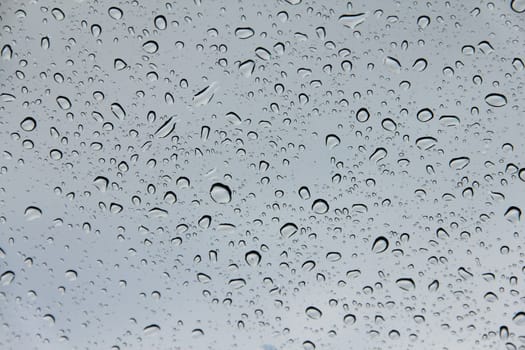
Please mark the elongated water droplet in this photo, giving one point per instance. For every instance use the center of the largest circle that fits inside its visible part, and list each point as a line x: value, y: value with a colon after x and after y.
x: 496, y: 100
x: 252, y: 258
x: 313, y: 313
x: 7, y: 278
x: 63, y: 102
x: 380, y: 245
x: 406, y: 284
x: 244, y: 32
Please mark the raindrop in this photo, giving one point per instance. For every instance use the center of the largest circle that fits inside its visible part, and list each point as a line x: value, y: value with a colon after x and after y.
x: 320, y: 206
x: 519, y: 318
x: 32, y: 213
x: 152, y: 329
x: 220, y: 193
x: 288, y: 230
x: 253, y: 258
x: 160, y: 22
x: 362, y: 115
x: 459, y: 163
x: 424, y: 115
x: 58, y: 14
x: 115, y: 13
x: 406, y: 284
x: 304, y: 192
x: 28, y: 124
x: 332, y: 141
x: 63, y: 102
x: 150, y: 46
x: 7, y: 278
x: 352, y: 20
x: 513, y: 214
x: 496, y: 100
x: 380, y: 245
x: 244, y: 33
x: 118, y: 111
x: 71, y: 275
x: 518, y: 6
x: 313, y: 313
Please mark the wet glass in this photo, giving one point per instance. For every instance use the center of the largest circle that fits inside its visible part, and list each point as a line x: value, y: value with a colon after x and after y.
x: 269, y: 175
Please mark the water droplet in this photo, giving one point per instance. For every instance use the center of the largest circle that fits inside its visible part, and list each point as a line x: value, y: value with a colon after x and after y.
x: 150, y: 46
x: 118, y: 111
x: 304, y: 193
x: 513, y: 214
x: 380, y: 245
x: 459, y: 163
x: 63, y: 102
x: 32, y: 213
x: 160, y: 22
x: 378, y: 155
x: 518, y: 6
x: 288, y: 230
x: 237, y: 283
x: 55, y: 154
x: 424, y: 115
x: 392, y: 64
x: 115, y: 13
x: 352, y: 20
x: 71, y: 275
x: 519, y: 318
x: 362, y: 115
x: 28, y: 124
x: 406, y: 284
x: 152, y: 329
x: 58, y: 14
x: 496, y: 100
x: 349, y: 319
x: 320, y: 206
x: 244, y: 32
x: 426, y: 143
x: 7, y: 52
x: 253, y: 258
x: 220, y: 193
x: 119, y: 64
x: 7, y: 278
x: 423, y: 21
x: 313, y: 313
x: 263, y: 54
x: 332, y: 141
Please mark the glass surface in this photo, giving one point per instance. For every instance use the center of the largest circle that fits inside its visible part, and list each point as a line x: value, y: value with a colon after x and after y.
x: 268, y: 175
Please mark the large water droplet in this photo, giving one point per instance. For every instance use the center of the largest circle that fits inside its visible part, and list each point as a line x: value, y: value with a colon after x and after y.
x: 496, y: 100
x: 380, y: 245
x: 63, y: 102
x: 406, y: 284
x: 220, y: 193
x: 320, y: 206
x: 32, y: 213
x: 7, y: 278
x: 252, y: 258
x: 313, y: 313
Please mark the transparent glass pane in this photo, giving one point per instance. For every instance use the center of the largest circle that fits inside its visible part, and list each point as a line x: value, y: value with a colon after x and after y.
x: 262, y: 175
